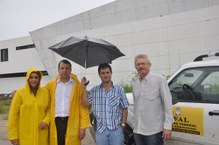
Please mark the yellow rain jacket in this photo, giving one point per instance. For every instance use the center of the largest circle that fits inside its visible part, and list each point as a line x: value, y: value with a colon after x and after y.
x: 78, y: 115
x: 27, y: 112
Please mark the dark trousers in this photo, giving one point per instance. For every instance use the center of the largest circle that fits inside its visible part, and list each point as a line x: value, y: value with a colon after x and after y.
x: 61, y: 127
x: 155, y: 139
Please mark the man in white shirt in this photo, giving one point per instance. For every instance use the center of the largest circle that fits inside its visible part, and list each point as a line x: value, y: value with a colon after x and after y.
x: 152, y: 105
x: 69, y: 118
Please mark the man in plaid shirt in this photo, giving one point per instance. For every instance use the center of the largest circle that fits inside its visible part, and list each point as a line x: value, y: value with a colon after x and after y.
x: 109, y: 105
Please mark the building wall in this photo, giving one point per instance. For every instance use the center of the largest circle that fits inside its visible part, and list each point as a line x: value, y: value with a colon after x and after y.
x: 10, y: 84
x: 171, y: 32
x: 19, y: 61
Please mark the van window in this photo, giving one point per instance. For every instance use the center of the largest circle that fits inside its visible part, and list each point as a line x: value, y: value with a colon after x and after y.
x: 196, y: 85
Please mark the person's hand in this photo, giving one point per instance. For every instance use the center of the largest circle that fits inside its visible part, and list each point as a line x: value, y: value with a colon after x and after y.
x: 43, y: 125
x: 14, y: 142
x: 84, y: 82
x: 123, y: 126
x: 166, y: 134
x: 81, y: 134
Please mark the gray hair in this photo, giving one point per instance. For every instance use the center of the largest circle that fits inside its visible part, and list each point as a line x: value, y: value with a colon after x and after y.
x: 144, y: 56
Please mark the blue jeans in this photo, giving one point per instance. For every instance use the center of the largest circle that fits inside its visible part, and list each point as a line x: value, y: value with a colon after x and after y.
x: 110, y: 137
x: 155, y: 139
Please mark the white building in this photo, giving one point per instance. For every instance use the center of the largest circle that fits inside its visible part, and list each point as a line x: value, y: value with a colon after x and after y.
x: 17, y: 56
x: 171, y: 32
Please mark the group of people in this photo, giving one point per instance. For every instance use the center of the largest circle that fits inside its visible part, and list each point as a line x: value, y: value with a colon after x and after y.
x: 58, y: 114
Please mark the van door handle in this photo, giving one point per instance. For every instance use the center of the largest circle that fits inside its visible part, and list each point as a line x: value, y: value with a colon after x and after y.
x: 214, y: 112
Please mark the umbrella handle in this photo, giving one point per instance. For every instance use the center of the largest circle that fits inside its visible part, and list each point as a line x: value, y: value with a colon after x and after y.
x: 87, y: 83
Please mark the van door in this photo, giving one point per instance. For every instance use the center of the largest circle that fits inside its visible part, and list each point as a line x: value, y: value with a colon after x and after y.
x: 195, y: 93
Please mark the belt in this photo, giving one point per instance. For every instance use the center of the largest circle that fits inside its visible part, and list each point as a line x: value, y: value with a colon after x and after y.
x: 61, y: 118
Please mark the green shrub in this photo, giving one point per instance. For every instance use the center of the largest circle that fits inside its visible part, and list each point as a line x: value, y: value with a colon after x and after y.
x: 4, y: 106
x: 127, y: 88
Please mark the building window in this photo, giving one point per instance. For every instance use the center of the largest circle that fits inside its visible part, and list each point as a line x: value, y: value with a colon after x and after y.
x: 4, y: 54
x: 18, y: 74
x: 25, y: 47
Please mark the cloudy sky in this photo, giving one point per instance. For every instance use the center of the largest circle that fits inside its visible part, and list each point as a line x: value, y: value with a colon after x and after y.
x: 18, y: 17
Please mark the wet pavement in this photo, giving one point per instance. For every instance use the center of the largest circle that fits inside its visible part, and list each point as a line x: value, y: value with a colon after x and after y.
x: 4, y: 138
x: 3, y: 132
x: 87, y: 141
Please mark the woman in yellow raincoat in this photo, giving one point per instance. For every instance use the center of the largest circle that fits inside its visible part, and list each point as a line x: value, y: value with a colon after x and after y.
x: 29, y: 114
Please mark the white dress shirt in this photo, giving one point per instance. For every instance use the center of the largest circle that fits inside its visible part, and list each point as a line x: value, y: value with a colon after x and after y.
x: 62, y: 97
x: 152, y: 105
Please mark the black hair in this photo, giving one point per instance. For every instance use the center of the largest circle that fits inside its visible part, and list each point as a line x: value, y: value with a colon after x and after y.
x: 65, y: 61
x: 104, y: 66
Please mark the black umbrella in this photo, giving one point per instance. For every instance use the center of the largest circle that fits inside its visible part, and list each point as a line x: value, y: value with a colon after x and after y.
x: 87, y: 51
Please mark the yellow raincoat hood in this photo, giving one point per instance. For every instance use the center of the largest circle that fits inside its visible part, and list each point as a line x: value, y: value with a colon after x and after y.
x: 31, y: 70
x: 26, y: 113
x: 78, y: 115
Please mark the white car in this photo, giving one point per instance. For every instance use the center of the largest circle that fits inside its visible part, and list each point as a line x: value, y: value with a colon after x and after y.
x: 195, y: 95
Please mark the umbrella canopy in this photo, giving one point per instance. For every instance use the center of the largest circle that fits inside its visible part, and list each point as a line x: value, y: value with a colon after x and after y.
x: 87, y: 51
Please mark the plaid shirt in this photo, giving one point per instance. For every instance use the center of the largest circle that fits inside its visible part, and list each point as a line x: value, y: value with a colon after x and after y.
x: 108, y: 106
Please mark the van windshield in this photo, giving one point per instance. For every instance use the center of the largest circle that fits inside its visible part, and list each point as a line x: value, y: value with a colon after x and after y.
x: 196, y: 85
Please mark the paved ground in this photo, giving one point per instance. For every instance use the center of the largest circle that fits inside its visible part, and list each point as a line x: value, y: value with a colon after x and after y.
x: 3, y: 133
x: 4, y: 139
x: 87, y: 141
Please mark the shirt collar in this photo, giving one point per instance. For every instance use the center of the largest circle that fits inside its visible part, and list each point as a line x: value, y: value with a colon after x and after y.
x: 69, y: 81
x: 146, y: 77
x: 101, y: 86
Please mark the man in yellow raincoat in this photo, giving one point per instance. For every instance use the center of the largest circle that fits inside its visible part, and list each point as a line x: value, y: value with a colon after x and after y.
x: 29, y: 114
x: 69, y: 118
